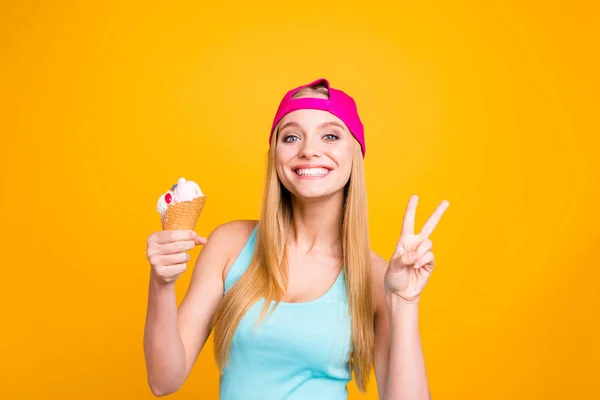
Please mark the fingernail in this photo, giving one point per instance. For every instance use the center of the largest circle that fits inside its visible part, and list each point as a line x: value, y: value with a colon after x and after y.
x: 414, y: 257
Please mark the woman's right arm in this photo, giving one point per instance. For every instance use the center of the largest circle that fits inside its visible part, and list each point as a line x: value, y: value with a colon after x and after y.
x: 173, y: 338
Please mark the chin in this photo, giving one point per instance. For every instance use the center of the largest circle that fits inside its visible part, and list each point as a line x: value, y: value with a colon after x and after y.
x: 314, y: 193
x: 311, y: 195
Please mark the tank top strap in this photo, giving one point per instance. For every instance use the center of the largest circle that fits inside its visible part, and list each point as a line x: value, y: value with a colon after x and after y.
x: 242, y: 262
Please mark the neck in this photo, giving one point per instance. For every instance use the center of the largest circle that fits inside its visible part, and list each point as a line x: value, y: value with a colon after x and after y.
x: 316, y: 224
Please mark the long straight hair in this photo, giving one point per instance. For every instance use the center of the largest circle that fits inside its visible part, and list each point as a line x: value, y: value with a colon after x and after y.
x: 267, y: 274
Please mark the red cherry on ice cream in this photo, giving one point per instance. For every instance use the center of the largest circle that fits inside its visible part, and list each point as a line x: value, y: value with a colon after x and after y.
x: 168, y: 198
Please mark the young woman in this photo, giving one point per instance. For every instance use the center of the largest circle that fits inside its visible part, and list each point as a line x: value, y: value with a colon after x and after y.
x: 297, y: 300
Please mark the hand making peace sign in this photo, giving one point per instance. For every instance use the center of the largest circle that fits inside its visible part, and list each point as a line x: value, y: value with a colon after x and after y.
x: 412, y: 262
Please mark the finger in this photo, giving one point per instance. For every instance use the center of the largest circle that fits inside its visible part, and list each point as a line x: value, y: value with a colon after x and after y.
x: 200, y: 240
x: 409, y: 258
x: 434, y: 219
x: 171, y: 270
x: 425, y: 246
x: 177, y: 247
x: 400, y: 247
x: 163, y: 237
x: 427, y: 259
x: 427, y: 267
x: 173, y: 259
x: 408, y: 224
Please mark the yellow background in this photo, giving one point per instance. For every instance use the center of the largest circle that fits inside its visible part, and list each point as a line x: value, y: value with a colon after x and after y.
x: 490, y: 105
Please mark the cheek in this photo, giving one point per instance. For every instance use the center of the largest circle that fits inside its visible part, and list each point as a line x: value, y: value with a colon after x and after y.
x: 343, y: 158
x: 284, y: 154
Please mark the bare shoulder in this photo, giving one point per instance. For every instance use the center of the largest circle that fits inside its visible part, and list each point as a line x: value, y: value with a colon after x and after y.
x: 234, y: 229
x: 230, y: 238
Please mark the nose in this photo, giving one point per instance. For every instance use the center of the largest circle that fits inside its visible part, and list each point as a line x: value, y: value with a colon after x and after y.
x: 310, y: 148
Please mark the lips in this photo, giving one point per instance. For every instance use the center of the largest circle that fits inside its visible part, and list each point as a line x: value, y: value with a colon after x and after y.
x: 311, y: 171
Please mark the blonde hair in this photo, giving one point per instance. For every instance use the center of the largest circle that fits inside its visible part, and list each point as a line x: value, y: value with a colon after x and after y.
x: 266, y: 276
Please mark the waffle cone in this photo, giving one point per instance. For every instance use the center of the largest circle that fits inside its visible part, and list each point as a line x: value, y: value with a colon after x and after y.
x: 183, y: 215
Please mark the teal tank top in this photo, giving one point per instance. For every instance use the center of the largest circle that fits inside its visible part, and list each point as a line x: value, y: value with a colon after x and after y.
x: 301, y: 351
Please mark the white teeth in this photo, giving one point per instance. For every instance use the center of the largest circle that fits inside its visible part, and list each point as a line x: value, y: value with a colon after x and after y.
x: 312, y: 171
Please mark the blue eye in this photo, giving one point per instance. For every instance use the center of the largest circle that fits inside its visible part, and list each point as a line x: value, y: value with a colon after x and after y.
x: 288, y: 138
x: 331, y: 136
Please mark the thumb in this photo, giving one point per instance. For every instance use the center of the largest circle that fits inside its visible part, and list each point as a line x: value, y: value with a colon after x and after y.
x: 199, y: 239
x: 409, y: 258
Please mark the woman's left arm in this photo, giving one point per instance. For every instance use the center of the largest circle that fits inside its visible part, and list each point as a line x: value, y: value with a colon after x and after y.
x: 399, y: 362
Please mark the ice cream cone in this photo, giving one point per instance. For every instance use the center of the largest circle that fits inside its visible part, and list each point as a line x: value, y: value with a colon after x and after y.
x: 183, y: 215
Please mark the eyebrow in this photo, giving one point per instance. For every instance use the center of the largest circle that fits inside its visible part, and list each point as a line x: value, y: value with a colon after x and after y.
x: 323, y: 125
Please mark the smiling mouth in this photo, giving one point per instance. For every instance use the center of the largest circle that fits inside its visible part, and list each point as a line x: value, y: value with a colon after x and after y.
x: 311, y: 172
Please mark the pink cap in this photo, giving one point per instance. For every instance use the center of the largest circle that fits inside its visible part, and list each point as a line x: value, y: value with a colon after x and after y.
x: 339, y: 104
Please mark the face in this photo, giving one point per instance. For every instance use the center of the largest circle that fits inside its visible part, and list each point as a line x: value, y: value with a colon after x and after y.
x: 313, y: 154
